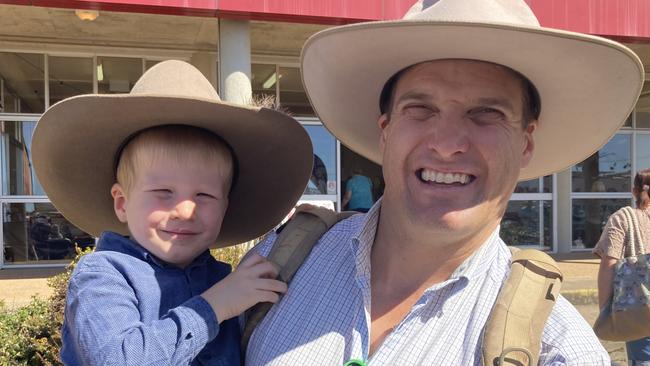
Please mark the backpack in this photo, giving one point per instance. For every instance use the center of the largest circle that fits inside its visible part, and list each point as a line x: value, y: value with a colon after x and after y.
x: 512, y: 335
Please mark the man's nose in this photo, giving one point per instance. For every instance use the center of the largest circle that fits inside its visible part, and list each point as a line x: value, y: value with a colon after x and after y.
x: 184, y: 210
x: 448, y: 136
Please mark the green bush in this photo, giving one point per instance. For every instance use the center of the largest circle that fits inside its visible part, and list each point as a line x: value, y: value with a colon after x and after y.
x: 31, y: 334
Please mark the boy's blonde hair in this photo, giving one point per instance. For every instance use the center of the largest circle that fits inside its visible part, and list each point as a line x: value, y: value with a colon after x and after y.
x: 176, y: 143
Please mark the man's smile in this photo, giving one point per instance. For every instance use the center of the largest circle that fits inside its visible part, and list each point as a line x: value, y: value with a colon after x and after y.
x: 444, y: 178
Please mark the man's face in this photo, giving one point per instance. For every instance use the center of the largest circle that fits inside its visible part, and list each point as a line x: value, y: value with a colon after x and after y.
x: 175, y: 209
x: 453, y: 145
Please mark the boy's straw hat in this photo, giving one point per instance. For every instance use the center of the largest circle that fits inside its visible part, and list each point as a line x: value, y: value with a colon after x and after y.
x: 588, y: 85
x: 76, y: 140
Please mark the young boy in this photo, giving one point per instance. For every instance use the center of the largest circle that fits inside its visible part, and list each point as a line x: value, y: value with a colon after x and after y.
x: 185, y: 172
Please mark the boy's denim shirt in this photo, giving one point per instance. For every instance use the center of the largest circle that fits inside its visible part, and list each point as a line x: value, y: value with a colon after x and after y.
x: 126, y: 307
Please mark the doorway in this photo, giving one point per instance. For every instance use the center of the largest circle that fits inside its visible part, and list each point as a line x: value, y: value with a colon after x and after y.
x: 353, y: 163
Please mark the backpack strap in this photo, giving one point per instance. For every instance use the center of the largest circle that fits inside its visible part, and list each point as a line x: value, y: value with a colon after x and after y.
x: 514, y: 330
x: 290, y: 249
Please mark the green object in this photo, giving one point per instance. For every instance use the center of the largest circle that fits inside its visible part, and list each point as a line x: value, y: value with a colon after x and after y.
x: 355, y: 363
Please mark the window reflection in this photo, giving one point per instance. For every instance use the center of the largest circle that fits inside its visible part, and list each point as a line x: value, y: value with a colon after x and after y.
x: 36, y: 232
x: 117, y: 74
x: 18, y: 177
x: 589, y: 217
x: 528, y: 186
x: 263, y: 83
x: 323, y: 176
x: 69, y: 76
x: 22, y: 83
x: 521, y: 223
x: 292, y: 94
x: 642, y: 151
x: 608, y: 170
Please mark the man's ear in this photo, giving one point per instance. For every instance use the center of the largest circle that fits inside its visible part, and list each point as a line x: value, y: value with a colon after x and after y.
x: 529, y: 144
x: 383, y: 122
x: 119, y: 202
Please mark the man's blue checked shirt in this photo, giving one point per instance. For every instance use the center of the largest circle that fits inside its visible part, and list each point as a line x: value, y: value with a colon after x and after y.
x: 324, y: 318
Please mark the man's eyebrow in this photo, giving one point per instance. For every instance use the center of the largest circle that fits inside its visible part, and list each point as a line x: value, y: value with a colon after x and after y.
x: 412, y: 95
x: 497, y: 102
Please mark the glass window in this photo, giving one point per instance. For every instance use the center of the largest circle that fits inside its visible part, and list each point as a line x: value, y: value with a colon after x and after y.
x: 36, y: 232
x: 264, y: 80
x: 548, y: 184
x: 292, y: 93
x: 22, y: 82
x: 149, y: 63
x: 524, y: 224
x: 608, y: 170
x: 18, y: 177
x: 70, y: 76
x: 117, y: 74
x: 532, y: 186
x: 642, y: 110
x: 589, y: 216
x: 628, y: 121
x: 642, y: 151
x: 323, y: 176
x: 528, y: 186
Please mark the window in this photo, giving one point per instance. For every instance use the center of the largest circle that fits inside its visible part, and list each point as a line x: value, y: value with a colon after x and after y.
x: 264, y: 83
x: 601, y: 185
x: 608, y: 170
x: 528, y: 223
x: 36, y: 232
x: 292, y: 93
x: 588, y: 218
x: 18, y: 177
x: 69, y: 76
x: 116, y: 74
x: 22, y: 83
x: 323, y: 180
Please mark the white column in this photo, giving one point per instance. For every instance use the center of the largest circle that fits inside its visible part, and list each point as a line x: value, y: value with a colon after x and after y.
x: 564, y: 238
x: 235, y: 61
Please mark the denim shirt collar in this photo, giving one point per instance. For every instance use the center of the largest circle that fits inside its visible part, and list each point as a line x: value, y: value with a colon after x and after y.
x: 112, y: 241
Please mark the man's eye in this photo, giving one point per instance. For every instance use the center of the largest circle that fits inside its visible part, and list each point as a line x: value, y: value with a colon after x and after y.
x: 418, y: 112
x: 486, y: 115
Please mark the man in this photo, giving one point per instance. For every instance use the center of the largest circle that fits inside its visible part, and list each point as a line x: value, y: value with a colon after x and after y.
x: 458, y: 102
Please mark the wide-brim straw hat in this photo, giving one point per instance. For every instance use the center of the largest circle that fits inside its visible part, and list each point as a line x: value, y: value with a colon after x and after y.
x: 588, y: 85
x: 76, y: 141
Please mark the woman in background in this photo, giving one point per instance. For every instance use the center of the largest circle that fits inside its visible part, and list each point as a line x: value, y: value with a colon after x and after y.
x: 613, y: 245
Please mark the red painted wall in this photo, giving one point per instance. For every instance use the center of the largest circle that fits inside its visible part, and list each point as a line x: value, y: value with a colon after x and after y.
x: 623, y: 18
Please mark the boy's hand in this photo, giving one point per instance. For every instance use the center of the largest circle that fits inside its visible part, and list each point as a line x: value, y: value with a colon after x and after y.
x: 252, y: 282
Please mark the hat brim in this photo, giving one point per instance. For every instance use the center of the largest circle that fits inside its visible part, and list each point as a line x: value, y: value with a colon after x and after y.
x: 75, y: 143
x: 588, y: 85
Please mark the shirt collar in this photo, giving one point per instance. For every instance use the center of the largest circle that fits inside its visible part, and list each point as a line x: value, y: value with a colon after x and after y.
x: 362, y: 241
x: 111, y: 241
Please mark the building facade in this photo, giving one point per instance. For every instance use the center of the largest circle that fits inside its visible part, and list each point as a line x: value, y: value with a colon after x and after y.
x: 250, y: 50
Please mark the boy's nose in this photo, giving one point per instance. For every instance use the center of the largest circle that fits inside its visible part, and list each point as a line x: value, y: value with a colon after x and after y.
x: 184, y: 210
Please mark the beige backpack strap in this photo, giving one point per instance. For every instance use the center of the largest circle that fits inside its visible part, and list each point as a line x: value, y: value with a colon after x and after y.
x: 291, y: 248
x: 514, y: 330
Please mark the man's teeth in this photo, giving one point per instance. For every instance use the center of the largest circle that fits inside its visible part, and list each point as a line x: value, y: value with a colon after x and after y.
x: 446, y: 178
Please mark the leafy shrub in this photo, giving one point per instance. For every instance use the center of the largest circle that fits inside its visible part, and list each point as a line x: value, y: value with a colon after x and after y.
x: 233, y: 254
x: 30, y: 335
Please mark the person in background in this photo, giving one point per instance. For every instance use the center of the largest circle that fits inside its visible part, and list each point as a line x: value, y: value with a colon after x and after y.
x: 613, y: 245
x: 358, y: 193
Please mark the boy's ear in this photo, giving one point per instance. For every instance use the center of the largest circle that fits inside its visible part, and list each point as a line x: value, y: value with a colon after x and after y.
x: 119, y: 202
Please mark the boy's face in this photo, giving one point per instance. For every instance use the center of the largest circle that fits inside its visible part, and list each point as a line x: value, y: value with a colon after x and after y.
x: 175, y: 209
